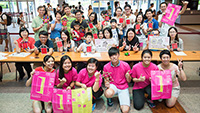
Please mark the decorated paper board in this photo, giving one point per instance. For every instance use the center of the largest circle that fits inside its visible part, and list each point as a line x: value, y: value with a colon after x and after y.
x: 158, y: 42
x: 103, y: 45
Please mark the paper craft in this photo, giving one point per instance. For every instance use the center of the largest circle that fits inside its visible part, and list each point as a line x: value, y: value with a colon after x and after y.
x: 161, y: 84
x: 95, y: 55
x: 172, y: 12
x: 3, y: 54
x: 95, y: 36
x: 107, y: 18
x: 128, y: 21
x: 62, y: 101
x: 121, y: 20
x: 42, y: 86
x: 174, y: 46
x: 59, y: 44
x: 149, y: 36
x: 2, y: 57
x: 64, y: 21
x: 82, y: 100
x: 44, y: 50
x: 103, y: 45
x: 150, y: 25
x: 137, y: 26
x: 180, y: 53
x: 89, y: 48
x: 21, y: 54
x: 158, y: 42
x: 91, y: 25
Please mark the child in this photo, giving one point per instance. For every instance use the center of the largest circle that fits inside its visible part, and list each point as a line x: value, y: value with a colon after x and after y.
x: 100, y: 34
x: 116, y: 31
x: 118, y: 71
x: 66, y: 74
x: 48, y: 64
x: 76, y: 34
x: 105, y: 23
x: 88, y: 45
x: 107, y: 34
x: 90, y: 77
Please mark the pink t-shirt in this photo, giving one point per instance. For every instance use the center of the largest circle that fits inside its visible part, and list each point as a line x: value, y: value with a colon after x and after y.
x: 139, y: 69
x: 84, y: 78
x: 118, y: 74
x: 70, y: 76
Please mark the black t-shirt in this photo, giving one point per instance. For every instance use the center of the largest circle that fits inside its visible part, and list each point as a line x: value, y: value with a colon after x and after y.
x: 83, y: 25
x: 132, y: 43
x: 49, y: 44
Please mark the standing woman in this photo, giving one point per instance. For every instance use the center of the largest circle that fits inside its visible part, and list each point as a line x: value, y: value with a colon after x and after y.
x: 68, y: 44
x: 95, y: 24
x: 90, y: 77
x: 66, y: 75
x: 90, y: 10
x: 141, y: 31
x: 24, y: 43
x: 48, y: 64
x: 165, y: 56
x: 174, y: 39
x: 56, y: 28
x: 141, y: 73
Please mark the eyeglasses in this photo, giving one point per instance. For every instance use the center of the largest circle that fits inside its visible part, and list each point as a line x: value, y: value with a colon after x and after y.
x: 127, y: 9
x: 43, y: 37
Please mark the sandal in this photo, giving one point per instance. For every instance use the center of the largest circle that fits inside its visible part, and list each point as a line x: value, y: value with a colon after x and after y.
x: 151, y: 103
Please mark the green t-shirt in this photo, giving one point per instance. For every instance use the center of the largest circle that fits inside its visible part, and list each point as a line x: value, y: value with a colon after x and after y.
x: 69, y: 21
x: 37, y: 21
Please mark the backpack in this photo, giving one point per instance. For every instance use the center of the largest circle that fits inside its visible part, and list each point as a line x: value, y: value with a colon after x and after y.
x: 18, y: 21
x: 9, y: 19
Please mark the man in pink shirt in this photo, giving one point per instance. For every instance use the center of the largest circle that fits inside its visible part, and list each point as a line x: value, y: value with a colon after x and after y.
x: 116, y: 74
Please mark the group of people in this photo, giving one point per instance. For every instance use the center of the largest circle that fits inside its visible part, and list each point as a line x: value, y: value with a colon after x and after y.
x: 128, y: 32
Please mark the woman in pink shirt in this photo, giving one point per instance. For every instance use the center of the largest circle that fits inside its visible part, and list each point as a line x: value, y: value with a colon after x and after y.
x: 165, y: 56
x: 141, y: 73
x: 90, y: 77
x: 66, y: 75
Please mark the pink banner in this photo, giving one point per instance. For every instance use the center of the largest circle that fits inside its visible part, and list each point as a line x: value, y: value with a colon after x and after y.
x: 42, y: 86
x: 62, y: 101
x: 161, y: 84
x: 172, y: 12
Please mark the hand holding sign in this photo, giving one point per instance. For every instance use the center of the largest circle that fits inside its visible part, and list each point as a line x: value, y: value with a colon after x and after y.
x: 63, y: 80
x: 59, y: 44
x: 44, y: 50
x: 83, y: 86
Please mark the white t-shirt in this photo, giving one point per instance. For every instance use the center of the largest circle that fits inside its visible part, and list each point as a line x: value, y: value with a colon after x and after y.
x: 84, y: 46
x: 164, y: 28
x: 115, y: 35
x: 2, y: 26
x: 132, y: 17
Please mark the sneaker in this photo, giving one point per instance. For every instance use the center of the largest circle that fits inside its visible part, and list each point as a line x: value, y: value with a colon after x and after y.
x: 93, y: 107
x: 151, y: 103
x: 109, y: 102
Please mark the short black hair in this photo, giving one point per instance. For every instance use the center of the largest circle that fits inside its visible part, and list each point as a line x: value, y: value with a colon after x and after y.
x: 76, y: 23
x: 163, y: 3
x: 78, y: 10
x: 146, y: 51
x: 103, y: 12
x: 113, y: 20
x: 79, y: 2
x: 88, y: 34
x: 23, y: 29
x: 127, y: 5
x: 20, y: 13
x: 165, y: 52
x: 1, y: 9
x: 113, y: 51
x: 93, y: 60
x: 59, y: 12
x: 108, y: 3
x: 40, y: 7
x: 151, y: 4
x: 58, y: 4
x: 148, y: 10
x: 46, y: 58
x: 45, y: 33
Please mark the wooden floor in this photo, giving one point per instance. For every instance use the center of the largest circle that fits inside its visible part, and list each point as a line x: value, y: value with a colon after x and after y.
x: 162, y: 108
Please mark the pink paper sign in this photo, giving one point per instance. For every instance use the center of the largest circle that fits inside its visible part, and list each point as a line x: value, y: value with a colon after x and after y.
x: 42, y: 86
x: 161, y: 84
x: 62, y: 101
x: 172, y: 12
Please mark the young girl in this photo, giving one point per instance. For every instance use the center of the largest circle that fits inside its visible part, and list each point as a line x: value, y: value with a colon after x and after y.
x: 130, y: 43
x: 175, y: 40
x: 165, y: 56
x: 48, y: 64
x: 100, y: 34
x: 66, y: 74
x: 94, y: 25
x: 141, y: 73
x: 140, y: 30
x: 107, y: 34
x: 68, y: 44
x: 24, y: 44
x: 90, y: 77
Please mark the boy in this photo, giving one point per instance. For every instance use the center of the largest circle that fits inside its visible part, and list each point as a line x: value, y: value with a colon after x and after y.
x: 43, y: 43
x: 116, y: 30
x: 76, y: 34
x: 118, y: 71
x: 88, y: 45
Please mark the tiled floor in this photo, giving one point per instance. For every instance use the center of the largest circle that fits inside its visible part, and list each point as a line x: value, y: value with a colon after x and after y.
x: 15, y: 97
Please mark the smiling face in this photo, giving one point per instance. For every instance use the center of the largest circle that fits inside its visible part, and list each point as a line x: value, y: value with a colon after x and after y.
x: 41, y: 11
x: 139, y: 19
x: 131, y: 34
x: 127, y: 10
x: 146, y: 58
x: 165, y: 59
x: 163, y: 7
x: 91, y: 68
x: 100, y: 35
x: 149, y: 15
x: 67, y: 65
x: 58, y: 16
x: 43, y: 39
x: 114, y: 58
x: 172, y: 33
x: 64, y: 36
x: 24, y: 34
x: 118, y: 12
x: 107, y: 34
x: 67, y: 10
x: 89, y: 38
x: 92, y: 17
x: 113, y: 25
x: 49, y: 63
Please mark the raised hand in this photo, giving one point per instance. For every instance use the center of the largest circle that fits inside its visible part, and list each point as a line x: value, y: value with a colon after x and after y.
x: 97, y: 75
x: 180, y: 64
x: 135, y: 47
x: 185, y: 2
x: 142, y: 78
